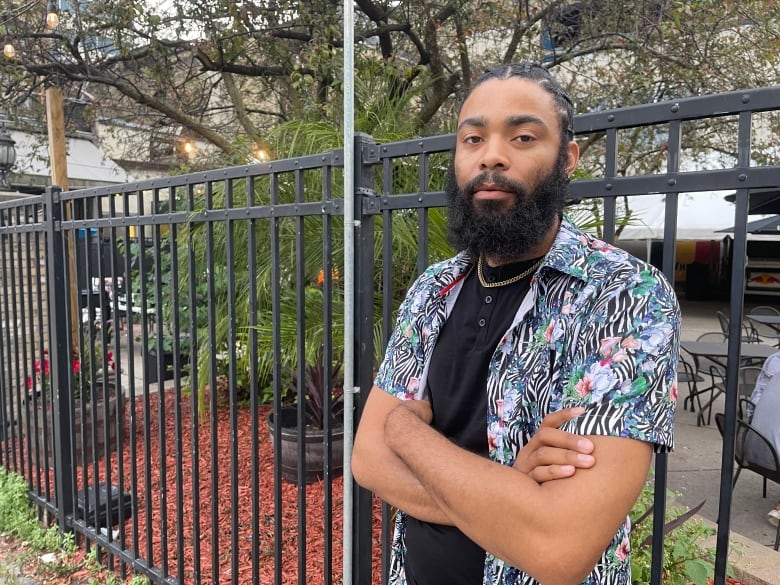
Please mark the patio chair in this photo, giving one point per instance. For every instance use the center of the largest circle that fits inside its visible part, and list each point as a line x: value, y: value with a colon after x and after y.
x: 755, y: 452
x: 764, y: 310
x: 745, y: 409
x: 765, y: 332
x: 749, y: 333
x: 687, y: 374
x: 746, y: 381
x: 701, y: 371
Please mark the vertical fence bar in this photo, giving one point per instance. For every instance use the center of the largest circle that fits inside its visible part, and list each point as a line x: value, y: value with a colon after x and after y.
x: 737, y: 295
x: 300, y: 350
x: 6, y: 418
x: 192, y: 296
x: 232, y: 348
x: 276, y: 342
x: 669, y: 255
x: 328, y: 278
x: 387, y: 324
x: 364, y: 343
x: 254, y: 397
x: 60, y: 357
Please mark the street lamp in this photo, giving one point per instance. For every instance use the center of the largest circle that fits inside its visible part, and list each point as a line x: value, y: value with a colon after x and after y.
x: 7, y: 156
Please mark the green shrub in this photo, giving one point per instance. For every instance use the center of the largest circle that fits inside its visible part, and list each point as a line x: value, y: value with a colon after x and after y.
x: 686, y: 558
x: 18, y: 518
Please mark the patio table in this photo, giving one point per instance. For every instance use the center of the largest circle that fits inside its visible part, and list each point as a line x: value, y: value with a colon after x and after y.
x: 718, y: 351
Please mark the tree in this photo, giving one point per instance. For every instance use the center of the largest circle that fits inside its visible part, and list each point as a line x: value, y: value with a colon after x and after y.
x: 227, y: 72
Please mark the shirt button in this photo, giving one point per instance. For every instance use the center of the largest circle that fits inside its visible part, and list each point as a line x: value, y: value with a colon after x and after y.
x: 481, y: 322
x: 488, y: 299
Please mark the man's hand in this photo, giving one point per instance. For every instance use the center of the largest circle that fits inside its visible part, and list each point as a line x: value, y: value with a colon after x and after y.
x: 553, y: 453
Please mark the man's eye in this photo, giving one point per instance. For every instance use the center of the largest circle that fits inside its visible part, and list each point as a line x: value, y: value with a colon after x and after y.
x: 472, y: 139
x: 525, y: 138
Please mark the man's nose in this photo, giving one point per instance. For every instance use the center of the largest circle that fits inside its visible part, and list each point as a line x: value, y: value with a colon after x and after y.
x: 494, y: 155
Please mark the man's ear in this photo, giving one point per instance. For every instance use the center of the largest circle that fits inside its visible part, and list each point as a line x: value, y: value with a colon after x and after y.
x: 572, y: 157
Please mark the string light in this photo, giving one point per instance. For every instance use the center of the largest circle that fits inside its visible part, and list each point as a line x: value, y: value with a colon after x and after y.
x: 52, y: 16
x: 8, y: 48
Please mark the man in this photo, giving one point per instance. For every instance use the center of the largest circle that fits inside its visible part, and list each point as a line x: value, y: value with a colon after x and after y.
x: 532, y: 317
x: 766, y: 404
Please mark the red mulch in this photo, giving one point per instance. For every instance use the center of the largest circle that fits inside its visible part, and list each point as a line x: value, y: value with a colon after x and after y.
x: 216, y: 508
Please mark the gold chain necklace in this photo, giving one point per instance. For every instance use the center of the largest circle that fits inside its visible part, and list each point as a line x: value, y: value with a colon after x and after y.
x: 514, y: 279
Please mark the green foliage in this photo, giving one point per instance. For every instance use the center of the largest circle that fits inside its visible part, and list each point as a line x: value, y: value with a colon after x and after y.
x: 17, y: 517
x: 686, y: 559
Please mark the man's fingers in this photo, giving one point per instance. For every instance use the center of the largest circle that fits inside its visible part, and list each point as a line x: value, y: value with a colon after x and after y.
x: 559, y: 417
x: 547, y: 456
x: 552, y: 437
x: 551, y: 472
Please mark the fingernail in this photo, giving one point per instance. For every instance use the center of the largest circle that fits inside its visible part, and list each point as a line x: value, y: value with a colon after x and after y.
x: 584, y: 459
x: 584, y: 445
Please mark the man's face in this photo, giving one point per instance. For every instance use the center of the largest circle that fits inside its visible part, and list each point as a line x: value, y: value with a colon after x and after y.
x: 510, y: 170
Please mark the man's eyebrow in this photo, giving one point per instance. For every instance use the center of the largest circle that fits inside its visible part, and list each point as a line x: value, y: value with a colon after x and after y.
x: 521, y: 119
x: 516, y: 120
x: 475, y: 122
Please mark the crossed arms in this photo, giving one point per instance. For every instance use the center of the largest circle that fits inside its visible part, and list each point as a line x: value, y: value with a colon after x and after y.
x: 516, y: 513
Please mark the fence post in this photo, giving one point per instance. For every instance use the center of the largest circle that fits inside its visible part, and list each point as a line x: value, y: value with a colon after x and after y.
x: 364, y: 341
x: 60, y: 355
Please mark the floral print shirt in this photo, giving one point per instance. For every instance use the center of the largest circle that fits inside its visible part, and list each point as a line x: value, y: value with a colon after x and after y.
x: 599, y: 328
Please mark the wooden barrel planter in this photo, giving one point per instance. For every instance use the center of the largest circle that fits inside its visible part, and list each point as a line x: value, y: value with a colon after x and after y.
x: 314, y: 448
x: 89, y: 429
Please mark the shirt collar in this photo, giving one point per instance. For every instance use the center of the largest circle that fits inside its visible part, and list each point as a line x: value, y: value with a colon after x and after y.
x: 571, y: 250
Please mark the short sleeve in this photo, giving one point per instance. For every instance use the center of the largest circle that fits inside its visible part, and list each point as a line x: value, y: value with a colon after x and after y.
x: 623, y: 366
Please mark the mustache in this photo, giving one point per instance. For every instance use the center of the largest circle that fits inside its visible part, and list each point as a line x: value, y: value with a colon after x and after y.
x: 495, y: 178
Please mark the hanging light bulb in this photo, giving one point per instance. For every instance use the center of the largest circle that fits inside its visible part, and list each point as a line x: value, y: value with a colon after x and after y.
x: 52, y: 16
x: 8, y: 49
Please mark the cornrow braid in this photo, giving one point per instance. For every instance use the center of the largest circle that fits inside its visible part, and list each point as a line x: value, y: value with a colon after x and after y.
x: 539, y: 74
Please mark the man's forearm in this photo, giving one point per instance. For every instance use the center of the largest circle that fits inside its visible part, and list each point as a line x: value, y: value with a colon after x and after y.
x: 513, y: 517
x: 380, y: 470
x: 397, y: 485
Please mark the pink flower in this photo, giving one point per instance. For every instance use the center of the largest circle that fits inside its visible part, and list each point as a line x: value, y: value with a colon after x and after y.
x: 584, y: 387
x: 623, y: 550
x: 549, y: 331
x: 673, y: 392
x: 629, y: 342
x: 608, y: 346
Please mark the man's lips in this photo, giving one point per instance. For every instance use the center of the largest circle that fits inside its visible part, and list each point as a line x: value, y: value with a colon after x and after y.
x: 490, y: 192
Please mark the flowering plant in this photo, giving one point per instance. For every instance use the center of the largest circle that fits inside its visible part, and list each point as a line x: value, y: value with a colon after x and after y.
x: 81, y: 370
x: 42, y: 373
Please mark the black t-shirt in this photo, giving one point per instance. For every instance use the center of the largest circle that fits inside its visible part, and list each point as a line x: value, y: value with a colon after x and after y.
x: 457, y: 386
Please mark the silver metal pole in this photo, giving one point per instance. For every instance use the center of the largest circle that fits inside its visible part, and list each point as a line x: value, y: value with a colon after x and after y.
x: 349, y: 280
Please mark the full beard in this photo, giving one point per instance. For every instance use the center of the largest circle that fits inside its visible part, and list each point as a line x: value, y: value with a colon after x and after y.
x: 492, y: 229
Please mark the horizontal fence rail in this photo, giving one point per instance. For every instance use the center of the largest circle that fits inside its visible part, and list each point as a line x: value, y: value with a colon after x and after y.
x: 162, y: 340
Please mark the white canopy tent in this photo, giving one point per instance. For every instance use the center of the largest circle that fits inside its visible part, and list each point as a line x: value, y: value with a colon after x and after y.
x: 703, y: 216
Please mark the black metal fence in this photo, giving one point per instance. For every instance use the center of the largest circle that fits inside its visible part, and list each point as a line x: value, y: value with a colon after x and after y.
x: 153, y: 333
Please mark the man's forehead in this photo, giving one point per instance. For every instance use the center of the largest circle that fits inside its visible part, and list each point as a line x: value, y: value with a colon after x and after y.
x: 508, y: 101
